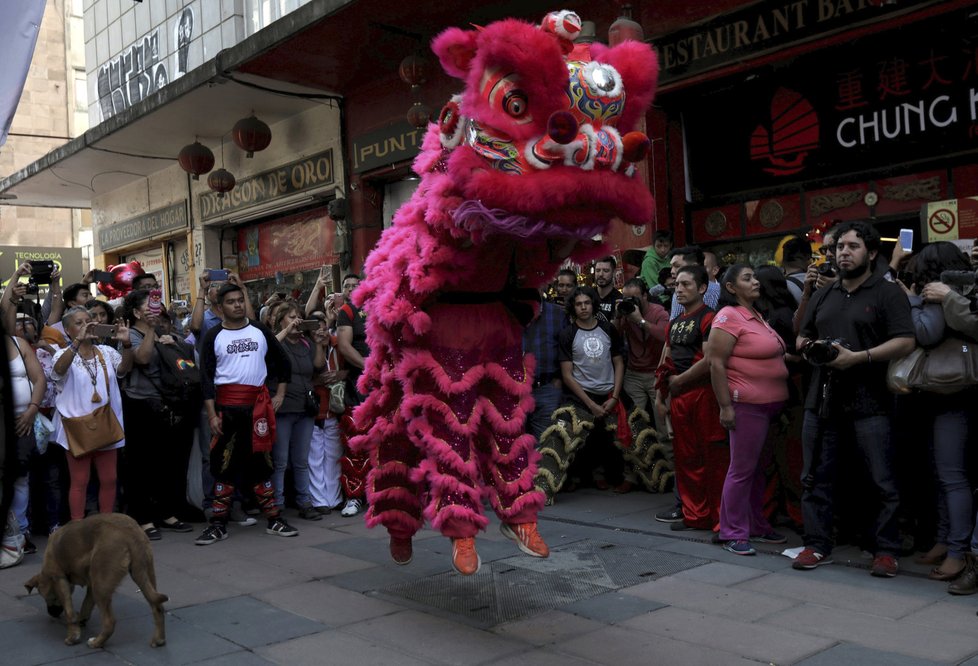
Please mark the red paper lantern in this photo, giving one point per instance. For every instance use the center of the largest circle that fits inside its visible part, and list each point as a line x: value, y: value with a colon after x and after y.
x: 251, y: 135
x: 196, y: 159
x: 221, y: 181
x: 624, y: 28
x: 419, y: 115
x: 413, y: 70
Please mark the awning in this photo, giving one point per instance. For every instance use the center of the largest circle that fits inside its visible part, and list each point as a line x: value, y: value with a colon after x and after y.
x: 146, y: 137
x: 325, y: 47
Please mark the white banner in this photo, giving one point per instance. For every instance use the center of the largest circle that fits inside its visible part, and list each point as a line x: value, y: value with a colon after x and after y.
x: 18, y: 33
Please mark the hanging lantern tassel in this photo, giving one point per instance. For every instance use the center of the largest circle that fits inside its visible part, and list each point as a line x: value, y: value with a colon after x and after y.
x: 221, y: 181
x: 251, y: 135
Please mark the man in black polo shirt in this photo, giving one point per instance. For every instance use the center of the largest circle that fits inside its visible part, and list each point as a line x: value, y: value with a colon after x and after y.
x: 604, y: 283
x: 848, y: 402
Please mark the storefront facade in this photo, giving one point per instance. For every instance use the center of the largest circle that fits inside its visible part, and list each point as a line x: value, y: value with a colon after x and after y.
x: 866, y: 111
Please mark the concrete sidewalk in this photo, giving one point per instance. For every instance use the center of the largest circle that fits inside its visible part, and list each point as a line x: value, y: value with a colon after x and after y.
x: 619, y: 588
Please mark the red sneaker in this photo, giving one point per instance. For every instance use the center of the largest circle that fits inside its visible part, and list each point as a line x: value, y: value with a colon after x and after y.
x: 527, y: 538
x: 810, y: 559
x: 464, y: 558
x: 884, y: 566
x: 402, y: 552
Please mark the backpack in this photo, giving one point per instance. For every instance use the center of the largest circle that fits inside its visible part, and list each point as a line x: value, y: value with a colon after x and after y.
x: 179, y: 375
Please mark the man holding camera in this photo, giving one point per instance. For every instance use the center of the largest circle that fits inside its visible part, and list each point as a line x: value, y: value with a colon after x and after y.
x: 850, y: 330
x: 643, y: 325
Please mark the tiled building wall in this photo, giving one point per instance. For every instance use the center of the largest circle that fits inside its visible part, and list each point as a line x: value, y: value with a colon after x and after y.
x: 132, y: 49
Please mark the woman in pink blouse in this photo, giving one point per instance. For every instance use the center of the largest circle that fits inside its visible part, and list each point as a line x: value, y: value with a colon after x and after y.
x: 750, y: 381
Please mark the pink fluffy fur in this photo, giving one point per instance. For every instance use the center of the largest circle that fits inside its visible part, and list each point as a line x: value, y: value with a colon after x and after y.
x: 433, y: 459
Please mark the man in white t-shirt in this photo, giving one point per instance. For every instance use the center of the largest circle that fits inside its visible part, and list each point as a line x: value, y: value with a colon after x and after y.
x: 237, y: 356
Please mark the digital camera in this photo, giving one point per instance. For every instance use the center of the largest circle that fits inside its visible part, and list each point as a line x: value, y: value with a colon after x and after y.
x: 627, y: 306
x: 826, y: 270
x: 820, y: 352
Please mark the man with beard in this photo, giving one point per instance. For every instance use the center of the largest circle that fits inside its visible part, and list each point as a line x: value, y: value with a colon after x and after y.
x: 604, y: 283
x: 868, y: 320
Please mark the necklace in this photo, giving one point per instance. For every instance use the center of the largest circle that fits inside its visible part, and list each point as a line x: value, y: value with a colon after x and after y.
x: 92, y: 371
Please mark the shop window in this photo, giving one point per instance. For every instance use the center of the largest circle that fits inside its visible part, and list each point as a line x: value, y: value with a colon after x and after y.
x: 395, y: 195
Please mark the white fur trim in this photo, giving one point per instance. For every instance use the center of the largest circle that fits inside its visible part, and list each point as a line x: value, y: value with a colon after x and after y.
x: 559, y: 19
x: 619, y: 146
x: 451, y: 141
x: 531, y: 157
x: 588, y: 131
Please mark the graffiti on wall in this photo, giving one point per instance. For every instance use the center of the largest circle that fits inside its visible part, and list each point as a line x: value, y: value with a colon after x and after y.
x: 133, y: 76
x: 184, y: 33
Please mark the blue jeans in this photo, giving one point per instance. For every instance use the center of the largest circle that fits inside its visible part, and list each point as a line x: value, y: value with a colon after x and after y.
x: 547, y: 399
x: 949, y: 446
x: 821, y: 439
x: 292, y: 434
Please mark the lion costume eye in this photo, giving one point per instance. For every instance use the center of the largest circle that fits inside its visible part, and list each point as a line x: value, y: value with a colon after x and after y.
x: 514, y: 103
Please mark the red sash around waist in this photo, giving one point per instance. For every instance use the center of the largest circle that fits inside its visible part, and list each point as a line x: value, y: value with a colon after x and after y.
x: 262, y: 416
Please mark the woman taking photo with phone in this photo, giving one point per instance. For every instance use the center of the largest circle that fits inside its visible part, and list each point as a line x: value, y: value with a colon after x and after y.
x: 160, y: 433
x: 749, y: 378
x: 295, y: 415
x: 87, y: 375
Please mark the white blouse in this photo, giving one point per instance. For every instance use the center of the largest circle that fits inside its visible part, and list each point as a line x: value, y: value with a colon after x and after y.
x: 75, y: 396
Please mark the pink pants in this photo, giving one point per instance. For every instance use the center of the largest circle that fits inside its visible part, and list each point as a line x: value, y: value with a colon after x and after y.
x: 79, y: 469
x: 742, y: 502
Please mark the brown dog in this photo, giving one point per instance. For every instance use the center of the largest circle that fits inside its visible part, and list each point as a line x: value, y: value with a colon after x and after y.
x: 97, y: 552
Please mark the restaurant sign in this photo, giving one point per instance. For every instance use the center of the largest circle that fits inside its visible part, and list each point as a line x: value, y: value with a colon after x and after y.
x: 760, y: 28
x: 885, y: 101
x: 386, y: 146
x: 309, y: 173
x: 143, y: 227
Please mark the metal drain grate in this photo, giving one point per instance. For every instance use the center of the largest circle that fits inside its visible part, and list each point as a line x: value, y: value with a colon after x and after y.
x: 520, y: 586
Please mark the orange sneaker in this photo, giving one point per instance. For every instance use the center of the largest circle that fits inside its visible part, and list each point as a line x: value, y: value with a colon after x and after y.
x: 527, y: 538
x: 464, y: 558
x: 402, y: 551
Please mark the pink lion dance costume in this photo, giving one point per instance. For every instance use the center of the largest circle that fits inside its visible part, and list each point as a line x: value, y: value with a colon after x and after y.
x: 522, y: 170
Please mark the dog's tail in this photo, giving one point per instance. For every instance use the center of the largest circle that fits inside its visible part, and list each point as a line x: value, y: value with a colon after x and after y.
x: 144, y: 573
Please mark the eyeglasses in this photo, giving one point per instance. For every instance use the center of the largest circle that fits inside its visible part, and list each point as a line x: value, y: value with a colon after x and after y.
x: 827, y: 249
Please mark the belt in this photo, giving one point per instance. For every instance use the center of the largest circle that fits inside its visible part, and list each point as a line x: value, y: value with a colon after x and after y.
x: 545, y: 379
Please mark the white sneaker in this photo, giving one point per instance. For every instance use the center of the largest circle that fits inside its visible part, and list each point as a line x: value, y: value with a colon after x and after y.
x: 352, y: 508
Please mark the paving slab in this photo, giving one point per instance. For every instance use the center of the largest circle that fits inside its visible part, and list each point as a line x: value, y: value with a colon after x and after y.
x: 185, y: 643
x: 693, y: 595
x: 848, y: 654
x: 808, y: 586
x: 958, y: 615
x: 722, y: 573
x: 338, y: 647
x: 551, y: 627
x: 327, y: 604
x: 878, y: 632
x: 756, y: 641
x: 543, y: 657
x: 624, y: 647
x: 436, y: 639
x: 311, y: 562
x: 247, y: 621
x: 612, y: 607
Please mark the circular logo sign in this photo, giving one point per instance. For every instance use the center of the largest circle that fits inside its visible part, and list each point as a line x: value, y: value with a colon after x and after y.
x: 942, y: 221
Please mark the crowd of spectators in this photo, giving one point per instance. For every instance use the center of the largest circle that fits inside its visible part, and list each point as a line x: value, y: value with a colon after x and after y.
x: 763, y: 389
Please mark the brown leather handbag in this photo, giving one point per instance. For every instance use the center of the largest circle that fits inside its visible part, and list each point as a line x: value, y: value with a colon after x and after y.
x: 949, y: 367
x: 93, y: 431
